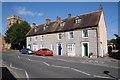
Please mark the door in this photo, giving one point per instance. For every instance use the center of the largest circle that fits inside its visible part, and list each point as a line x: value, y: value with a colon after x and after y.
x: 85, y: 49
x: 59, y: 48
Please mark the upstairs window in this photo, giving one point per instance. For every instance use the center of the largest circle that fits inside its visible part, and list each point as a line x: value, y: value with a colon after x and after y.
x: 70, y: 35
x: 62, y: 23
x: 44, y: 28
x: 41, y: 38
x: 59, y: 36
x: 30, y: 39
x: 77, y: 20
x: 35, y: 30
x: 85, y: 33
x: 35, y: 38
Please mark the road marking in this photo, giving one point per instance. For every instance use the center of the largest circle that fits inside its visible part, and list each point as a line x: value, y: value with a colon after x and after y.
x: 63, y: 60
x: 46, y: 63
x: 80, y: 71
x: 59, y: 66
x: 100, y: 76
x: 27, y: 76
x: 14, y: 67
x: 18, y: 56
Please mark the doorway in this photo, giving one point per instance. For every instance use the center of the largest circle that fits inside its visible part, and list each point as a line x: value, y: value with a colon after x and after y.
x: 59, y: 49
x: 85, y: 49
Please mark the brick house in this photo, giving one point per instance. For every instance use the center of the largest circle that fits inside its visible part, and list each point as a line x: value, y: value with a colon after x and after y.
x: 73, y: 36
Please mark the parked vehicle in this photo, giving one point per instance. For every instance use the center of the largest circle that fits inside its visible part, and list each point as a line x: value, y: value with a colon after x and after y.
x: 26, y: 51
x: 44, y: 52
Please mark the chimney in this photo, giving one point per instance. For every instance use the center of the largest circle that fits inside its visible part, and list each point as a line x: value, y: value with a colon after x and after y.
x: 58, y: 19
x: 33, y: 25
x: 48, y: 21
x: 69, y: 16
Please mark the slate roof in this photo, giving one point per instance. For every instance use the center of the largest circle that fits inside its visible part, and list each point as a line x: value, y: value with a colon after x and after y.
x: 87, y: 20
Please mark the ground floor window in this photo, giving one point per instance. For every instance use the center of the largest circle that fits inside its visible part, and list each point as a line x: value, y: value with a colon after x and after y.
x: 71, y: 49
x: 35, y: 47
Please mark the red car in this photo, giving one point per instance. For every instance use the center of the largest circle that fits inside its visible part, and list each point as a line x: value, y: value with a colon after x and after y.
x: 44, y: 51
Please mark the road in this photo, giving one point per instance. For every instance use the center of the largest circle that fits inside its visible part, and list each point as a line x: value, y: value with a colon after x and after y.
x: 33, y: 66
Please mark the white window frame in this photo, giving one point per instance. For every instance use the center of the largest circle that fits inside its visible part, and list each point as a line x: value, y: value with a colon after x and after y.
x: 77, y: 21
x: 30, y: 39
x: 41, y: 38
x: 35, y: 38
x: 69, y: 35
x: 62, y: 23
x: 71, y: 49
x: 58, y: 35
x: 83, y: 33
x: 51, y: 47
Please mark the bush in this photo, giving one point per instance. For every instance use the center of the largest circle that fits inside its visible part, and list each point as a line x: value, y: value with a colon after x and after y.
x: 109, y: 49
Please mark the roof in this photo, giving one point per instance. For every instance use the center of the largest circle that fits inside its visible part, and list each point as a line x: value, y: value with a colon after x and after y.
x: 87, y: 20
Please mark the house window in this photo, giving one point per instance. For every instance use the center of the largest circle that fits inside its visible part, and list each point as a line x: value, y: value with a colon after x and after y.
x: 51, y: 47
x: 35, y: 30
x: 41, y: 38
x: 62, y: 23
x: 35, y: 38
x: 70, y: 35
x: 59, y: 36
x: 41, y: 46
x: 30, y: 39
x: 71, y: 48
x: 77, y: 21
x: 85, y: 33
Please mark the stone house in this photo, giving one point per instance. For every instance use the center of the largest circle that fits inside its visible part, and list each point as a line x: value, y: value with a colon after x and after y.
x: 73, y: 36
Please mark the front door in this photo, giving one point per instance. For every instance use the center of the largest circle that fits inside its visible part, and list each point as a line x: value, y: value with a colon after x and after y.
x: 85, y: 49
x: 59, y: 48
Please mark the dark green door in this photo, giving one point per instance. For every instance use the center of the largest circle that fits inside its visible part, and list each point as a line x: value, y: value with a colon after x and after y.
x: 85, y: 49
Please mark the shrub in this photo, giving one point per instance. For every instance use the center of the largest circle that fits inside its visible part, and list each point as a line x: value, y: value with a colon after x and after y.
x: 109, y: 49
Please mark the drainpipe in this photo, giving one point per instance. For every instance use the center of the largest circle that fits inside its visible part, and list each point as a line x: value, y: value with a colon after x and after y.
x: 97, y: 42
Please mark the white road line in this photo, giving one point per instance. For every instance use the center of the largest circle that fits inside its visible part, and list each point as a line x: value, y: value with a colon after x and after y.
x: 59, y: 66
x: 15, y: 67
x: 46, y: 63
x: 100, y: 76
x: 27, y: 76
x: 63, y: 60
x: 80, y: 71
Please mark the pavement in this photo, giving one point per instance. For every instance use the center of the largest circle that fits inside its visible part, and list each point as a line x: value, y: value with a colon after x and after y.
x: 32, y: 66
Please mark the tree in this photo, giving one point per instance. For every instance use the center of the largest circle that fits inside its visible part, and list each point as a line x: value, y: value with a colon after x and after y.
x: 117, y: 42
x: 16, y: 35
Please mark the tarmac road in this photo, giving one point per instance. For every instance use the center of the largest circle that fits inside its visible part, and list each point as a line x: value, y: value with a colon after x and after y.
x: 32, y: 66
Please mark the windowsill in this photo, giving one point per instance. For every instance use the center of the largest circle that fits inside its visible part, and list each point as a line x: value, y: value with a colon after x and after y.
x: 84, y: 37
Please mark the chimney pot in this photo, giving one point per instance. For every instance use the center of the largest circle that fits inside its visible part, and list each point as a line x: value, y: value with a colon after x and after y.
x: 48, y: 21
x: 33, y: 25
x: 58, y: 19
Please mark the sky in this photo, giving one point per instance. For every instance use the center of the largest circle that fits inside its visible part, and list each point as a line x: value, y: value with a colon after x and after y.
x: 37, y: 12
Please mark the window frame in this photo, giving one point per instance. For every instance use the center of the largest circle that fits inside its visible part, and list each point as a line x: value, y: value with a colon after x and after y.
x: 62, y: 23
x: 58, y: 35
x: 83, y: 35
x: 69, y: 35
x: 71, y: 48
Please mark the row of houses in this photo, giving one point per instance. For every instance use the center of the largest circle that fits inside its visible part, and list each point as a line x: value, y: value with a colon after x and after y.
x: 73, y: 36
